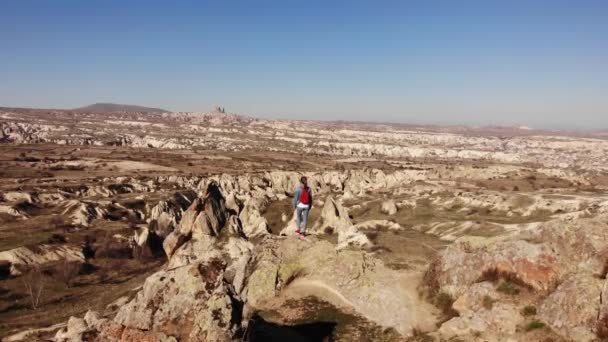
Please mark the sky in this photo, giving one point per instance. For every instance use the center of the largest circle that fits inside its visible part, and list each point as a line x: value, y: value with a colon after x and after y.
x: 541, y: 63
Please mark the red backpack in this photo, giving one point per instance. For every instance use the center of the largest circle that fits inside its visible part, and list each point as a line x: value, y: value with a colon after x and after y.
x: 304, y: 196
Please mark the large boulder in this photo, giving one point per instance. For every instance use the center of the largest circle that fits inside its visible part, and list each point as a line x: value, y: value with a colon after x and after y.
x: 389, y: 207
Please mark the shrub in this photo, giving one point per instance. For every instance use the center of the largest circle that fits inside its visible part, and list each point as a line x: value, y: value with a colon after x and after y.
x: 487, y: 302
x: 528, y: 310
x: 56, y: 238
x: 535, y: 325
x: 508, y: 287
x: 444, y: 301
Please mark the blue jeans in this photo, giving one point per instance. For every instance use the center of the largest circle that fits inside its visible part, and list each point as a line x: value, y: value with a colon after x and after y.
x: 301, y: 218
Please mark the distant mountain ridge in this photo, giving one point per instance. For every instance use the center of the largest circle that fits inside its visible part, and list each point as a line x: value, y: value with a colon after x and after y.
x: 118, y: 108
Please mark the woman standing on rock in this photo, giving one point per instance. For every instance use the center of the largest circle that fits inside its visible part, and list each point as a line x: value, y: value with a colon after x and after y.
x: 302, y: 202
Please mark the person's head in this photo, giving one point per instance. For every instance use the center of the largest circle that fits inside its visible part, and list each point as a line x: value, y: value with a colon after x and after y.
x: 303, y: 180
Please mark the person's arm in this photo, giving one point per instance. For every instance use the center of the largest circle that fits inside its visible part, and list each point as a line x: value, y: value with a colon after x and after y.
x: 295, y: 197
x: 310, y: 195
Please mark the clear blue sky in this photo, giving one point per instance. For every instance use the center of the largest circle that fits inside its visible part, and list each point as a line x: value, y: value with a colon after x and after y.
x: 541, y: 63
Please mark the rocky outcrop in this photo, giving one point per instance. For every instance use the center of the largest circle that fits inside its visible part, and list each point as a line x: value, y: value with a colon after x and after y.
x: 12, y: 132
x: 204, y: 218
x: 293, y: 269
x: 498, y: 323
x: 23, y: 258
x: 389, y: 207
x: 15, y: 196
x: 334, y: 218
x: 82, y: 213
x: 460, y: 265
x: 10, y: 210
x: 94, y: 328
x: 559, y: 263
x: 254, y: 224
x: 572, y: 309
x: 189, y: 303
x: 166, y: 215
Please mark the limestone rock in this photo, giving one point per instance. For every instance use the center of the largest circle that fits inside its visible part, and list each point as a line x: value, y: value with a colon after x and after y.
x: 254, y: 224
x: 83, y: 212
x: 458, y: 266
x: 495, y: 324
x: 335, y: 218
x: 572, y: 309
x: 189, y: 303
x: 204, y: 218
x: 23, y: 257
x: 74, y: 332
x: 473, y: 299
x: 389, y: 207
x: 348, y: 279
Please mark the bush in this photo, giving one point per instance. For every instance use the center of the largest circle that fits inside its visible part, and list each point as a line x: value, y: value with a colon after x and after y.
x: 529, y: 311
x: 444, y: 301
x: 57, y: 238
x: 508, y: 287
x: 535, y: 325
x: 487, y: 302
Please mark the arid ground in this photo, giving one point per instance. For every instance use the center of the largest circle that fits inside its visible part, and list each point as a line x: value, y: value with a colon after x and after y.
x: 179, y: 227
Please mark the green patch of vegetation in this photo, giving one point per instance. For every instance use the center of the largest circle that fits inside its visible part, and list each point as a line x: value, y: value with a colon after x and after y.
x: 528, y: 310
x: 508, y: 287
x: 535, y: 325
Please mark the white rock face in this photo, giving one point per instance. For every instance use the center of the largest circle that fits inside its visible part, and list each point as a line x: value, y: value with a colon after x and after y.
x: 334, y: 217
x: 82, y: 213
x: 13, y: 196
x: 253, y: 223
x: 389, y: 207
x: 9, y: 210
x: 23, y: 257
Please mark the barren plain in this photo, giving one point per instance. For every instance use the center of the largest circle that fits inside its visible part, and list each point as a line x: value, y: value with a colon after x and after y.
x: 179, y: 227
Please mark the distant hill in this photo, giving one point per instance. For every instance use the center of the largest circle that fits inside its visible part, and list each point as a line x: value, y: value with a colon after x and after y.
x: 118, y: 108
